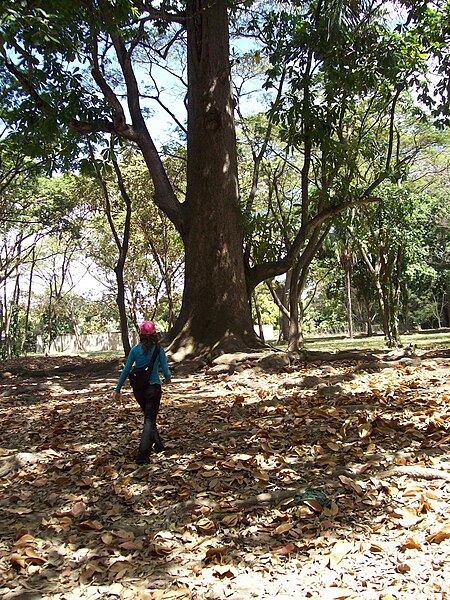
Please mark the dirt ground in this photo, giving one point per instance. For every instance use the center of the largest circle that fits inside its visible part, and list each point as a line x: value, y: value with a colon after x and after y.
x: 319, y: 480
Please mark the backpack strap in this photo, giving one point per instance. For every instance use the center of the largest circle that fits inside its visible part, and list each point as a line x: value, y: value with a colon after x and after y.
x: 153, y: 359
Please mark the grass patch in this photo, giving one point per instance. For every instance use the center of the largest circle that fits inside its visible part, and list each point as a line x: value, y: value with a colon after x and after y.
x: 423, y: 340
x: 104, y: 355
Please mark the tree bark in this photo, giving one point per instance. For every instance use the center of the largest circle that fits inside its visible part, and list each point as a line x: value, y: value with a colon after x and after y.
x: 346, y: 262
x: 258, y: 316
x: 215, y: 300
x: 120, y: 301
x: 295, y: 333
x: 28, y: 311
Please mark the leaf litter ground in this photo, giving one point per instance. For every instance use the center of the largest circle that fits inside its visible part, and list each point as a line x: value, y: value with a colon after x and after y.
x: 223, y: 512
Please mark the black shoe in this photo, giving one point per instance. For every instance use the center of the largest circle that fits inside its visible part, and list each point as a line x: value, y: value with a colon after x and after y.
x: 159, y: 447
x: 142, y: 461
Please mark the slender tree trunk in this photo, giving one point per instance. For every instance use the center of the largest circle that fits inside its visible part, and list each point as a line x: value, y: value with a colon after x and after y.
x: 298, y: 281
x: 395, y: 295
x: 369, y: 331
x: 48, y: 338
x: 10, y: 326
x: 405, y: 307
x: 383, y: 312
x: 281, y: 299
x: 284, y: 297
x: 76, y: 329
x: 377, y: 273
x: 297, y: 339
x: 27, y: 316
x: 258, y: 316
x: 294, y: 332
x: 280, y: 294
x: 446, y: 309
x: 346, y: 261
x: 388, y: 286
x: 301, y: 306
x: 436, y: 324
x: 121, y: 305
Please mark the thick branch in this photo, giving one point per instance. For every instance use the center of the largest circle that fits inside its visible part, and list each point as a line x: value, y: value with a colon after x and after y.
x: 164, y: 195
x: 82, y: 127
x: 277, y: 300
x: 174, y: 16
x: 104, y: 187
x: 119, y: 114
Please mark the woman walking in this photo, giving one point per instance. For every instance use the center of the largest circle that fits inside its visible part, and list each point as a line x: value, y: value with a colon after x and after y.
x: 147, y: 356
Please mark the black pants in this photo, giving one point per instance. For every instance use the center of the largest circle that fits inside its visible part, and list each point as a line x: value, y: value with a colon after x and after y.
x: 149, y: 399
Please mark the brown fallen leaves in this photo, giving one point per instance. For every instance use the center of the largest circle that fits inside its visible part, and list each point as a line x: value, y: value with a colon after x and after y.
x: 213, y: 517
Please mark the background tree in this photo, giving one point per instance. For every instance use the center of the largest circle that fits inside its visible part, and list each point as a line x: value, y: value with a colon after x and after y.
x: 154, y: 256
x: 339, y: 111
x: 39, y: 214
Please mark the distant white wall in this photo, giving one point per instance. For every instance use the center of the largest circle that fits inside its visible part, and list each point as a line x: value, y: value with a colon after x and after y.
x: 108, y: 342
x: 91, y: 342
x: 268, y: 331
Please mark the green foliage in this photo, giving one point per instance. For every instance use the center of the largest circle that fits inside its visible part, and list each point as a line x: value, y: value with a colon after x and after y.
x: 269, y: 311
x: 45, y: 42
x: 57, y: 59
x: 90, y: 316
x: 323, y: 297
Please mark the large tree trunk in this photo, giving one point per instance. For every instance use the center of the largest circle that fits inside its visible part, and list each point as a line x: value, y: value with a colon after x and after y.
x: 258, y: 316
x: 215, y: 300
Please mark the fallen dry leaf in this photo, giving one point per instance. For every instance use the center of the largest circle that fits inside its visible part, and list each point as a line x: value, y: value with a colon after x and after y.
x: 283, y: 550
x: 225, y: 571
x: 337, y: 593
x: 438, y: 536
x: 411, y: 543
x: 78, y: 509
x: 206, y: 526
x: 91, y: 525
x: 339, y: 551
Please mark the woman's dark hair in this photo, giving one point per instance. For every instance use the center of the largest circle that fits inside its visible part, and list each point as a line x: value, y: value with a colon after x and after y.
x: 148, y: 340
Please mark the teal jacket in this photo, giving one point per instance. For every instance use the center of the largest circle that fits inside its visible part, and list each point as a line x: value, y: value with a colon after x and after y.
x: 138, y: 357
